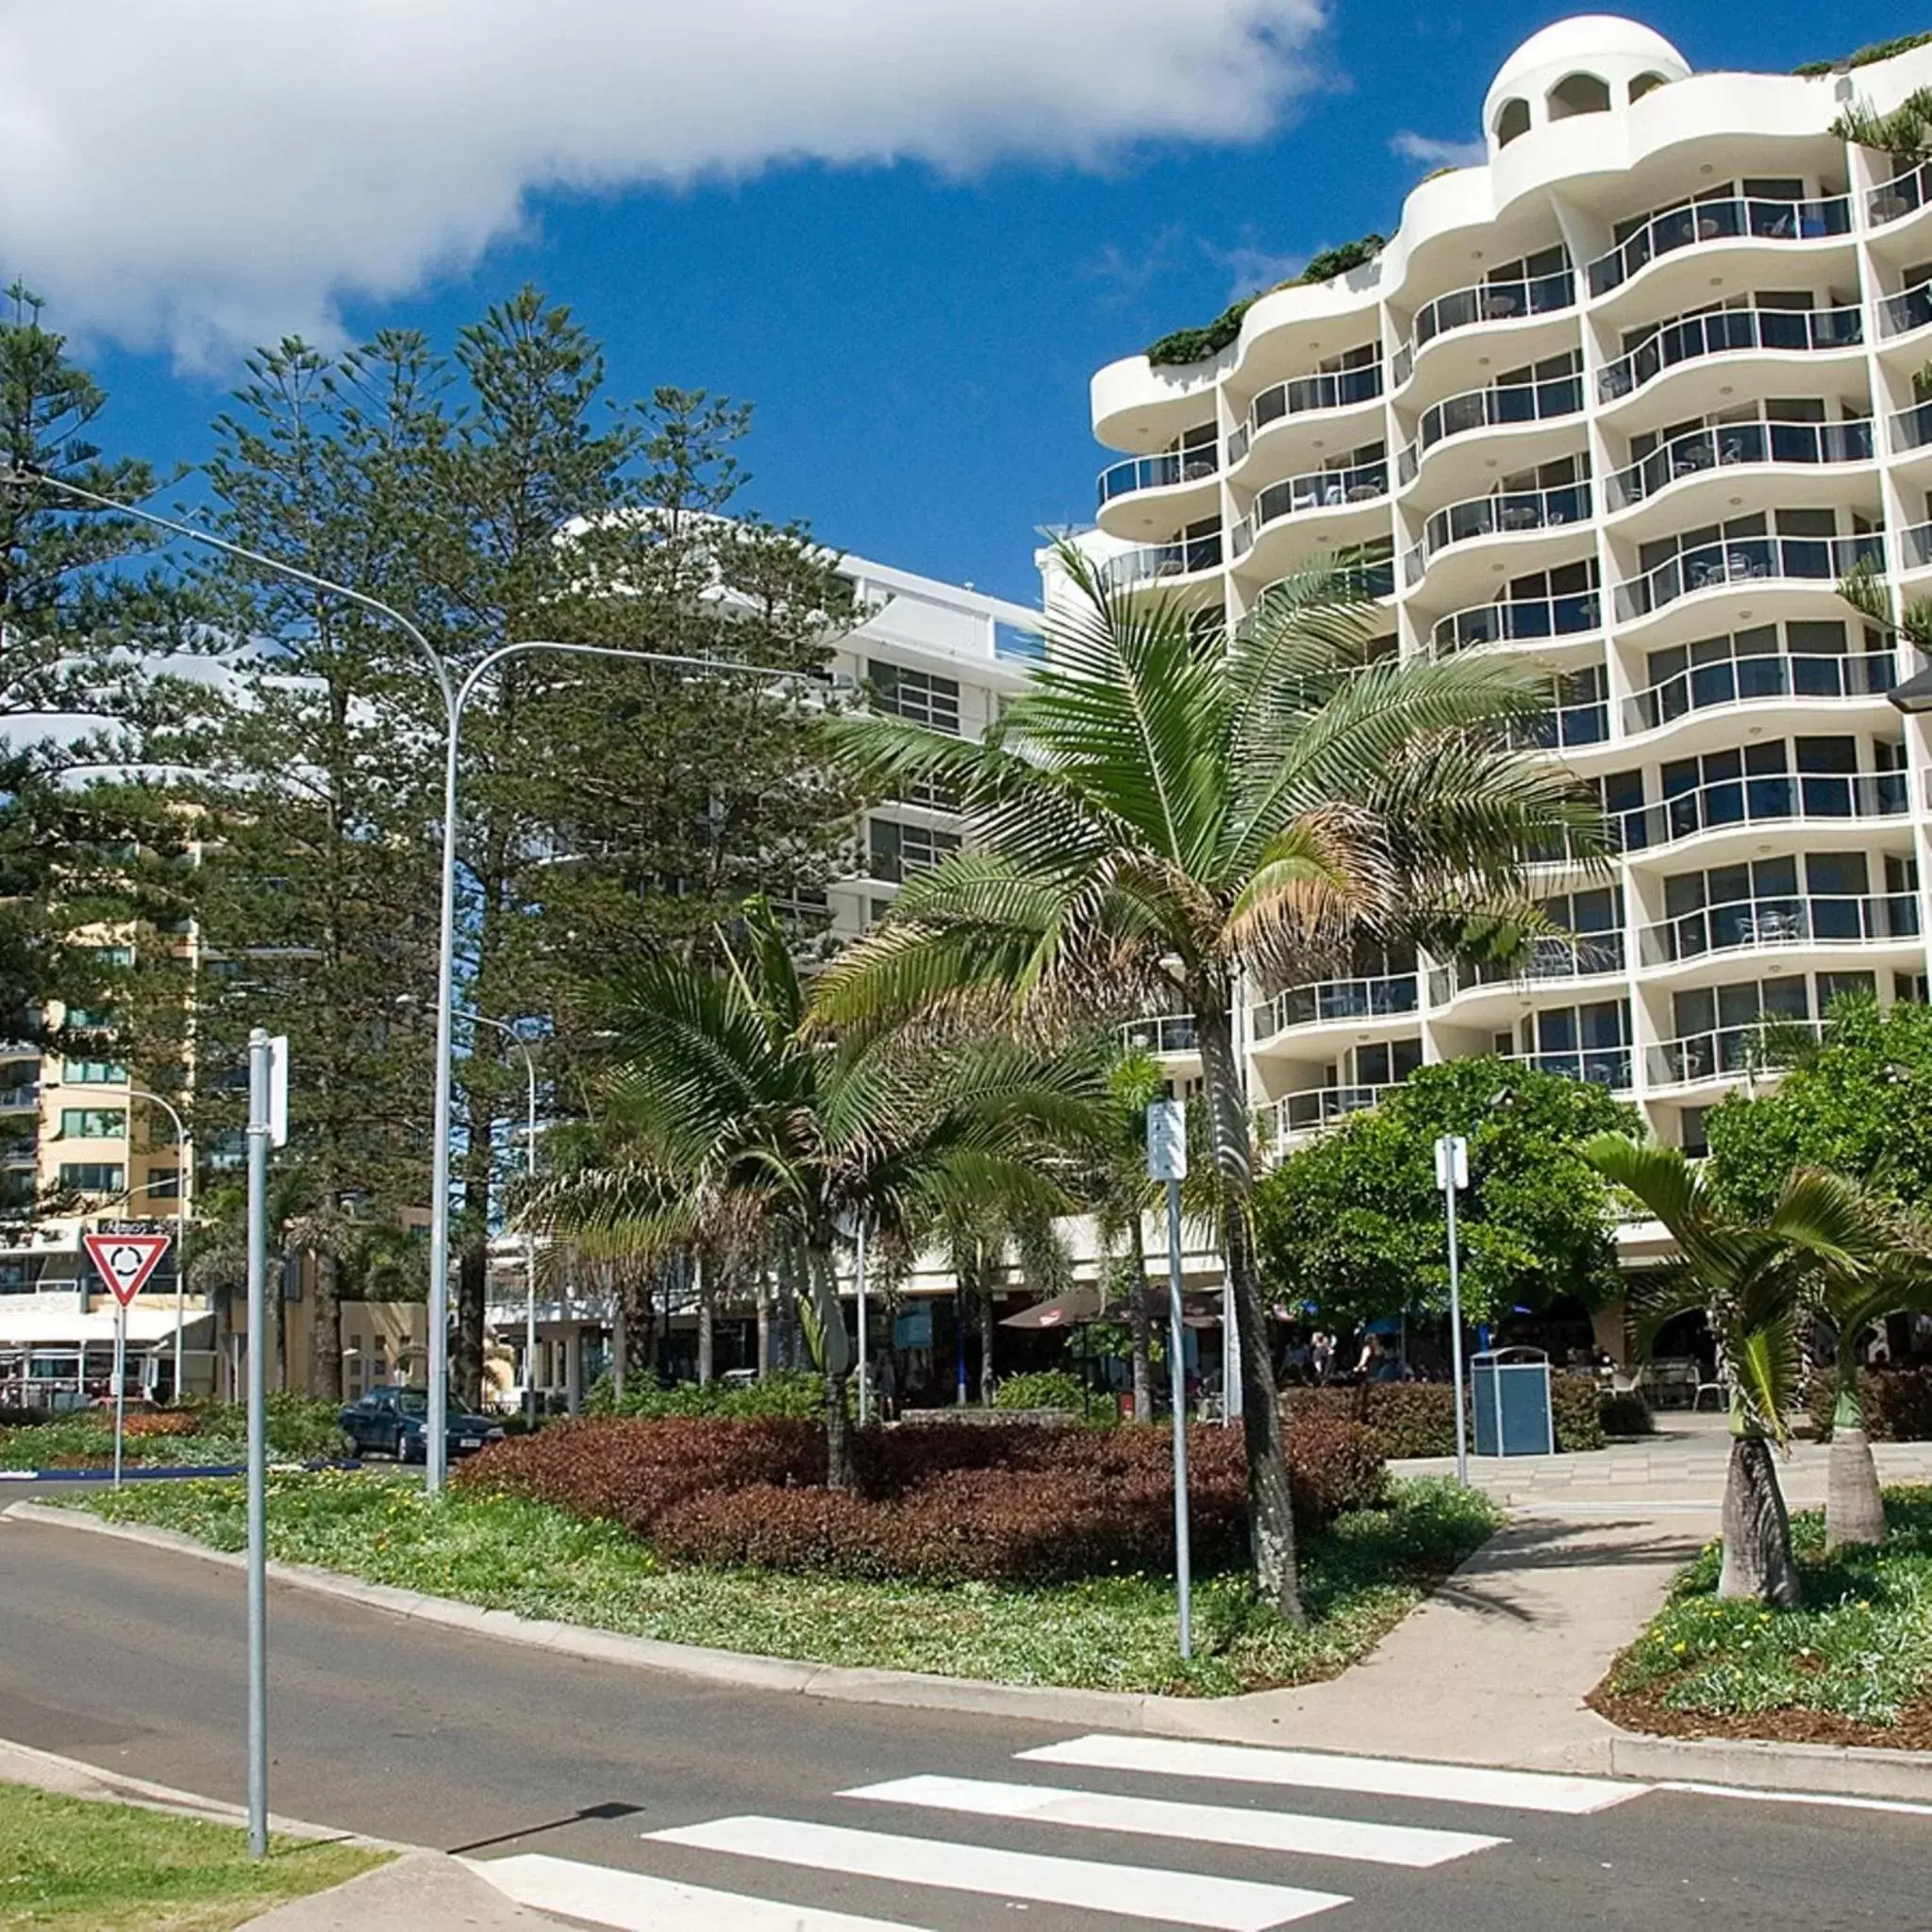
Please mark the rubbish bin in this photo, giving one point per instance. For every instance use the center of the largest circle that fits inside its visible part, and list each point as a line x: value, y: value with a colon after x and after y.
x: 1509, y: 1392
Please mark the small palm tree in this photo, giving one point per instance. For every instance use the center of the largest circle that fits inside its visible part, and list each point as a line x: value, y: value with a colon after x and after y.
x: 733, y: 1103
x: 1823, y: 1247
x: 1168, y: 811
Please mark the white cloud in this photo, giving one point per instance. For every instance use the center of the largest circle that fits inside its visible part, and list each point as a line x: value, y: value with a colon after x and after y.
x: 203, y: 173
x: 1253, y: 268
x: 1432, y: 152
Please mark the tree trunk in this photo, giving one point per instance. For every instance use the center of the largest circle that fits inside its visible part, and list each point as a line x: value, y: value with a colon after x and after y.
x: 706, y: 1339
x: 1270, y: 1518
x: 1854, y: 1509
x: 764, y: 1324
x: 1756, y: 1531
x: 325, y: 1333
x: 1139, y: 1327
x: 841, y: 1472
x: 985, y: 1311
x: 835, y: 1359
x: 620, y: 1348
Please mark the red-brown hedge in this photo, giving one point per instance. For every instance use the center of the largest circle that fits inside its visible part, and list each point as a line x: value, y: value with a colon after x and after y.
x: 1015, y: 1504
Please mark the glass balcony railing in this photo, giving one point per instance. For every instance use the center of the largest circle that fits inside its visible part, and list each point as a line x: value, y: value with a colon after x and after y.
x: 1899, y: 315
x: 1335, y: 999
x: 1162, y: 1033
x: 1730, y: 443
x: 1722, y: 331
x: 1564, y: 728
x: 1606, y: 1066
x: 12, y: 1099
x: 1746, y: 681
x: 1510, y: 512
x: 1551, y: 956
x: 1722, y: 1052
x: 1518, y: 620
x: 1723, y: 220
x: 1893, y: 200
x: 1915, y: 547
x: 1760, y: 799
x: 1315, y: 1107
x: 1343, y: 389
x: 1492, y: 302
x: 1488, y: 408
x: 1150, y: 561
x: 1791, y: 921
x: 1744, y: 560
x: 1911, y: 428
x: 1319, y: 490
x: 1157, y: 473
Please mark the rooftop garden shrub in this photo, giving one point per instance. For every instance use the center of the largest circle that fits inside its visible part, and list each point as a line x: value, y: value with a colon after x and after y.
x: 1184, y: 345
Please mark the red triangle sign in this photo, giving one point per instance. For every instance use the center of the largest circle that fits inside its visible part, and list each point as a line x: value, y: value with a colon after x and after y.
x: 126, y: 1261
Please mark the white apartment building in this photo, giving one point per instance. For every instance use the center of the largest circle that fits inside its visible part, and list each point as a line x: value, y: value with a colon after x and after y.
x: 1624, y: 401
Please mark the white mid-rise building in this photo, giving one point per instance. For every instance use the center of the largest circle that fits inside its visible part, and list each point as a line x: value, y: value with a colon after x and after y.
x: 1624, y: 401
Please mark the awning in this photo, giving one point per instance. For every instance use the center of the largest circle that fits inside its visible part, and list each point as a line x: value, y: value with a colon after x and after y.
x: 1079, y: 1306
x: 57, y: 1327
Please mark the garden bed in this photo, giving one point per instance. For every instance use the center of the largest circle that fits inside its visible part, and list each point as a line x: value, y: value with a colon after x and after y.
x: 1361, y: 1575
x: 1852, y: 1665
x: 209, y: 1435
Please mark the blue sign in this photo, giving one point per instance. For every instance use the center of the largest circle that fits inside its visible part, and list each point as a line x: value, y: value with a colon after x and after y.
x: 912, y: 1328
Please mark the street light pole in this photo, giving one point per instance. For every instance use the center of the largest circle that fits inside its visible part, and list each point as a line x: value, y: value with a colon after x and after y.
x: 1452, y: 1175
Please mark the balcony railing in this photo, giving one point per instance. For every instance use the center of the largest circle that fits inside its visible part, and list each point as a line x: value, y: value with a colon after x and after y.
x: 1162, y: 1033
x: 1149, y: 561
x: 1899, y: 315
x: 1562, y: 729
x: 1510, y: 512
x: 1742, y: 559
x: 1607, y: 1066
x: 1488, y: 408
x: 1518, y: 620
x: 1335, y: 999
x: 1749, y: 801
x: 1718, y: 221
x: 1157, y: 473
x: 1911, y: 428
x: 1492, y: 302
x: 12, y: 1099
x: 1321, y: 1106
x: 1551, y: 956
x: 1342, y: 389
x: 1789, y: 921
x: 1319, y: 490
x: 1738, y: 442
x: 1915, y: 547
x: 1746, y: 681
x: 1893, y: 200
x: 1722, y: 331
x: 1722, y: 1052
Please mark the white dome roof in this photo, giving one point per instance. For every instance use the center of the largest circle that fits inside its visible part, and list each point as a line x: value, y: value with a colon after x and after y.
x: 1589, y: 42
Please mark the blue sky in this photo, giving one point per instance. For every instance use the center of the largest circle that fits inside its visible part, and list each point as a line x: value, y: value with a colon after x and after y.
x: 917, y: 344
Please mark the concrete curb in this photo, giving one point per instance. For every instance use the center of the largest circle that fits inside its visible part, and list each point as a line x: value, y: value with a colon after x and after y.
x: 1760, y: 1764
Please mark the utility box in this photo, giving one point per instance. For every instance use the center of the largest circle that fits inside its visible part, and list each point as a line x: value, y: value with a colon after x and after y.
x: 1509, y: 1395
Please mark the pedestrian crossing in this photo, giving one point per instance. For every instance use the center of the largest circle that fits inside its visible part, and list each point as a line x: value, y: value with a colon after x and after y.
x: 951, y: 1851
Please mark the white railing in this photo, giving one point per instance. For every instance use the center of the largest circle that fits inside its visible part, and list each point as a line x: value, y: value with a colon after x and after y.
x: 1761, y: 799
x: 1723, y: 332
x: 1723, y: 1051
x: 1162, y: 1033
x: 1518, y: 620
x: 1315, y: 1107
x: 1729, y: 218
x: 1915, y: 547
x: 1148, y: 563
x: 1551, y: 956
x: 1491, y: 302
x: 1491, y: 408
x: 1506, y: 512
x: 1335, y: 999
x: 1751, y: 680
x: 1785, y: 920
x: 1191, y: 465
x: 1317, y: 491
x: 1564, y: 727
x: 1725, y: 444
x: 1606, y: 1066
x: 1342, y: 389
x: 1911, y: 428
x: 1741, y: 559
x: 1893, y: 200
x: 1899, y: 315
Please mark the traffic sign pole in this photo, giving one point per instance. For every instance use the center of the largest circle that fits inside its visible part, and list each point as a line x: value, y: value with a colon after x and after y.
x: 1167, y: 1161
x: 119, y: 1382
x: 125, y: 1263
x: 1452, y: 1175
x: 259, y: 1104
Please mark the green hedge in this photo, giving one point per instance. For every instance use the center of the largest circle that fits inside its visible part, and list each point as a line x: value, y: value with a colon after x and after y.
x: 796, y: 1396
x: 1897, y: 1404
x: 1865, y: 55
x: 1047, y: 1389
x: 1419, y: 1418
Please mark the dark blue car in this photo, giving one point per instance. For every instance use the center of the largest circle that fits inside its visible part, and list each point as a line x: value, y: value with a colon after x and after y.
x: 392, y: 1422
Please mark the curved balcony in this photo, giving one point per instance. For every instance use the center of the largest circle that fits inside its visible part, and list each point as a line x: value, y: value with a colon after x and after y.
x: 1186, y: 556
x: 1485, y: 302
x: 1723, y: 332
x: 1606, y: 1066
x: 1329, y: 1000
x: 1164, y: 1033
x: 1730, y: 443
x: 1829, y: 798
x: 1758, y: 680
x: 1900, y: 315
x: 1915, y: 547
x: 1567, y: 727
x: 1345, y: 388
x: 1517, y: 620
x: 1723, y: 1053
x: 1505, y: 513
x: 1892, y: 200
x: 1746, y: 560
x: 1321, y: 490
x: 1911, y: 428
x: 1732, y: 218
x: 1551, y: 956
x: 1315, y: 1107
x: 1164, y: 471
x: 1793, y: 919
x: 1490, y: 408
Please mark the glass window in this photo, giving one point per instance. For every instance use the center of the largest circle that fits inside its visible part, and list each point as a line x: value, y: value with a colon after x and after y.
x: 918, y: 695
x: 93, y: 1073
x: 94, y: 1123
x: 1838, y: 986
x: 92, y: 1176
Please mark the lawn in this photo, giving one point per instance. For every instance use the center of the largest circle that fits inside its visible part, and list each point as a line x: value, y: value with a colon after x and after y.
x: 1853, y: 1665
x: 212, y: 1436
x: 79, y: 1865
x: 1361, y: 1575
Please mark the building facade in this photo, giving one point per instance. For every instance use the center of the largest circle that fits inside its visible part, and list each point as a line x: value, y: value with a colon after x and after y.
x: 1625, y: 401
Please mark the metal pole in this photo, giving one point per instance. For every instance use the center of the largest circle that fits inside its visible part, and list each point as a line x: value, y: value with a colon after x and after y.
x: 864, y: 1361
x: 1177, y: 1382
x: 960, y: 1341
x: 436, y: 1424
x: 1455, y: 1328
x: 530, y: 1247
x: 120, y: 1381
x: 258, y: 1442
x: 1230, y: 1360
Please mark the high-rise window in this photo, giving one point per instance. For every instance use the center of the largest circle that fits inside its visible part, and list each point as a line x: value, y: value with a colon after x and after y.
x: 922, y: 696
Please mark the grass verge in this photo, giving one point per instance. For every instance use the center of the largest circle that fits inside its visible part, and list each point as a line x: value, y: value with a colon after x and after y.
x: 1360, y: 1577
x: 1853, y: 1665
x: 82, y: 1865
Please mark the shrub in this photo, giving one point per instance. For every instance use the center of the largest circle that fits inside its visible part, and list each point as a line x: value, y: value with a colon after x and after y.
x: 297, y: 1427
x: 1049, y: 1388
x: 1625, y: 1413
x: 796, y: 1394
x: 159, y: 1421
x: 1413, y: 1419
x: 1897, y: 1404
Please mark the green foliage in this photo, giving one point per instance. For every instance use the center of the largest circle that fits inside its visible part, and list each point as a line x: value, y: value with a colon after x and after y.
x: 1364, y: 1573
x: 796, y: 1396
x: 1353, y: 1221
x: 210, y: 1434
x: 1861, y: 1650
x: 1046, y: 1389
x: 1895, y: 1404
x: 1625, y: 1413
x: 1415, y: 1419
x: 1865, y: 55
x: 1184, y: 345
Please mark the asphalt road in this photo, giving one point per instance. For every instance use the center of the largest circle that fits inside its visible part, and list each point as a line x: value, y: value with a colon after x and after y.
x: 134, y: 1659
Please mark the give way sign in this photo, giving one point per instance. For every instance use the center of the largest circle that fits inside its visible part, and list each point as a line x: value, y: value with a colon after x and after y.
x: 126, y: 1261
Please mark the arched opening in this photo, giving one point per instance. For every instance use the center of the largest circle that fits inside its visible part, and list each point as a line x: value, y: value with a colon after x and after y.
x: 1579, y: 93
x: 1511, y: 121
x: 1646, y: 84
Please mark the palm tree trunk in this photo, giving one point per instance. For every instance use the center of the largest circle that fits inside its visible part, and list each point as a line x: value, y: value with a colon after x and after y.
x: 1854, y: 1509
x: 707, y: 1335
x: 1138, y: 1326
x: 764, y: 1300
x: 984, y: 1301
x: 326, y: 1336
x: 1270, y: 1518
x: 1756, y: 1531
x: 835, y: 1355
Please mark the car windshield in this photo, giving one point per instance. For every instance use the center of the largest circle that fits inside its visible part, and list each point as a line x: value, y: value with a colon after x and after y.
x: 413, y: 1402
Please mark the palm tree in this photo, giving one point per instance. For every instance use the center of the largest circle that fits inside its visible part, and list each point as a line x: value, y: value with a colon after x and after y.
x: 1822, y: 1249
x: 734, y: 1104
x: 1168, y: 812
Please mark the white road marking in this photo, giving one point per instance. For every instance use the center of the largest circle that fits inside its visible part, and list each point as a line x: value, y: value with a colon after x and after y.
x: 1909, y: 1809
x: 635, y: 1902
x: 1212, y: 1825
x: 1385, y: 1777
x: 1131, y: 1891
